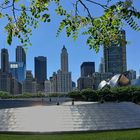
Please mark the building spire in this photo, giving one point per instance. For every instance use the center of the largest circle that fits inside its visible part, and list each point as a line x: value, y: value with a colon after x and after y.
x: 64, y: 59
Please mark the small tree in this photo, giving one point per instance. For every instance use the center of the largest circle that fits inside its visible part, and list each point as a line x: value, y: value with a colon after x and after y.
x: 76, y: 95
x: 86, y: 93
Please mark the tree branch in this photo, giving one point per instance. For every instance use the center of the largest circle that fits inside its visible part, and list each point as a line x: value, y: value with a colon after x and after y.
x: 13, y: 9
x: 97, y: 3
x: 5, y: 7
x: 89, y: 14
x: 76, y: 8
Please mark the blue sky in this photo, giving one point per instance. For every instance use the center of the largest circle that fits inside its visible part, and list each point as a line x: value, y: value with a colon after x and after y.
x: 46, y: 44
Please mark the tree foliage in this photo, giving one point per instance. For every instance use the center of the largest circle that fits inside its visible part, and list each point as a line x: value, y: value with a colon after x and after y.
x: 22, y: 17
x: 128, y: 93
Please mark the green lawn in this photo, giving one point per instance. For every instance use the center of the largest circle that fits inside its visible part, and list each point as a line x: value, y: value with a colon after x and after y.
x: 114, y: 135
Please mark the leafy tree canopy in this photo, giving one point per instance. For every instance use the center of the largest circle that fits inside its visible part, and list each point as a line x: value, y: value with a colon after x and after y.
x: 23, y: 16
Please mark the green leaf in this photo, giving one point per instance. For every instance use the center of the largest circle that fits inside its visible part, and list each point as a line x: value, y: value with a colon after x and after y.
x: 1, y: 15
x: 9, y: 37
x: 16, y: 0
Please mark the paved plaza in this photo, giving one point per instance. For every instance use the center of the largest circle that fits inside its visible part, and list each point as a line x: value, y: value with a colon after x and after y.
x: 82, y: 116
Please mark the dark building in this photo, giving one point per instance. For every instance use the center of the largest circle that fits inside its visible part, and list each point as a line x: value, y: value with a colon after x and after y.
x: 7, y: 82
x: 87, y: 69
x: 20, y: 54
x: 40, y: 69
x: 85, y: 82
x: 73, y: 84
x: 115, y: 56
x: 4, y: 60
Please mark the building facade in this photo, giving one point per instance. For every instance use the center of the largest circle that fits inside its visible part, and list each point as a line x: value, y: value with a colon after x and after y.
x: 102, y: 66
x: 4, y: 60
x: 20, y: 54
x: 87, y: 69
x: 21, y: 64
x: 115, y: 56
x: 17, y: 69
x: 85, y: 82
x: 61, y: 81
x: 64, y: 82
x: 64, y: 60
x: 29, y: 84
x: 40, y: 68
x: 48, y: 87
x: 132, y: 74
x: 98, y: 77
x: 7, y: 82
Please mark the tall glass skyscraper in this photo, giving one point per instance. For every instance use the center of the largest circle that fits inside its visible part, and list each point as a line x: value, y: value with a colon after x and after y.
x: 17, y: 69
x: 40, y: 68
x: 115, y: 56
x: 20, y: 54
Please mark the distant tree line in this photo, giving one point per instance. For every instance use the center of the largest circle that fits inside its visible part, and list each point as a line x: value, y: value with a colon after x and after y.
x: 117, y: 94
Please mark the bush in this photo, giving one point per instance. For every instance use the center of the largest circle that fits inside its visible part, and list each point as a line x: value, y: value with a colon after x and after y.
x: 104, y: 95
x: 136, y: 97
x: 76, y: 95
x: 89, y: 95
x: 86, y: 94
x: 29, y: 95
x: 5, y: 95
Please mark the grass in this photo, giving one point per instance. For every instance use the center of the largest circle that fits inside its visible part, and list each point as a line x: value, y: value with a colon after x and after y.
x: 111, y: 135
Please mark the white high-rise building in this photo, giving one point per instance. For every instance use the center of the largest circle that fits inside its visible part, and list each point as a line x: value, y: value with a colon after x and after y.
x: 47, y: 85
x: 102, y: 66
x: 62, y: 79
x: 64, y: 60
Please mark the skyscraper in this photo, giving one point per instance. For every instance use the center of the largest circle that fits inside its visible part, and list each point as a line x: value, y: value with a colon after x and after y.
x: 87, y: 68
x: 17, y: 69
x: 86, y: 80
x: 4, y: 60
x: 115, y: 56
x: 102, y: 66
x: 64, y: 60
x: 40, y: 69
x: 20, y: 54
x: 29, y: 85
x: 21, y: 60
x: 7, y: 82
x: 61, y: 81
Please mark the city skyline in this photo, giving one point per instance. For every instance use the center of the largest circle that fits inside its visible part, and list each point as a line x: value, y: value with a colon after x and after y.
x: 59, y: 67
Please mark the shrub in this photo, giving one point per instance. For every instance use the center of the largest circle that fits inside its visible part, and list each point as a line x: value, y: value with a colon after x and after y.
x: 86, y: 94
x: 104, y: 94
x: 5, y: 95
x: 136, y: 97
x: 76, y: 95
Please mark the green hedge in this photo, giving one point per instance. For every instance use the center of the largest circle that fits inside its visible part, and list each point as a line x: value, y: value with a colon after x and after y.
x: 128, y: 93
x: 6, y: 95
x: 75, y: 95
